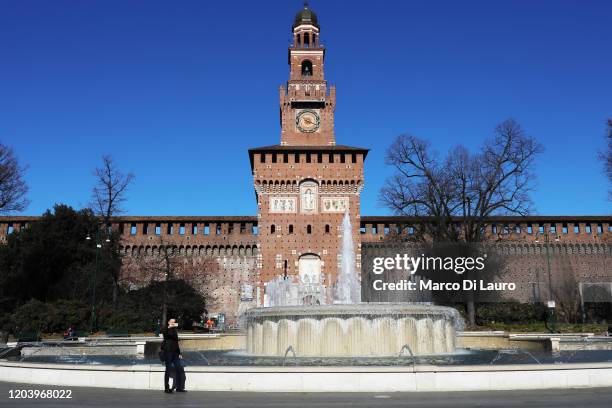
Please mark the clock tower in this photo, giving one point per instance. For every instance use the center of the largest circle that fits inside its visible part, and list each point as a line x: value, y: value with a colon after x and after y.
x: 306, y: 184
x: 306, y: 103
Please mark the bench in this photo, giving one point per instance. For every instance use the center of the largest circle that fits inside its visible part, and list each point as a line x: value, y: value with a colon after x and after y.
x: 77, y: 334
x: 117, y: 333
x: 27, y: 336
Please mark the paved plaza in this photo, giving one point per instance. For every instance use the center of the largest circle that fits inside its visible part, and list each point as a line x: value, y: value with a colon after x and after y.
x: 100, y: 397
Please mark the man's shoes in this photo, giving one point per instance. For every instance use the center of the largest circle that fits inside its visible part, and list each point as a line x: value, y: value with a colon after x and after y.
x: 183, y: 390
x: 168, y: 391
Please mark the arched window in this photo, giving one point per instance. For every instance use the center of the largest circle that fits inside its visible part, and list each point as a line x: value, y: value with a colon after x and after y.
x: 306, y: 68
x: 306, y: 40
x: 327, y: 228
x: 291, y: 229
x: 272, y: 229
x: 309, y: 229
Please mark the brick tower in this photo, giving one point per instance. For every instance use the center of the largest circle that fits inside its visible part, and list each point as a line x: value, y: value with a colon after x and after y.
x: 305, y: 184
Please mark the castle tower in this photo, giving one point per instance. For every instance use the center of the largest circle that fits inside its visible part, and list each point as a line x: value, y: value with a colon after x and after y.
x: 305, y: 184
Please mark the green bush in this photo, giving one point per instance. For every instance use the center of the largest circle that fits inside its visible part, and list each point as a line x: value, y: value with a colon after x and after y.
x: 53, y: 317
x: 510, y: 312
x: 139, y: 310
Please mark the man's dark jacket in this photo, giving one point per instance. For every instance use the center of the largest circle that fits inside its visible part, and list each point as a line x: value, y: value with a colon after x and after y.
x: 171, y: 341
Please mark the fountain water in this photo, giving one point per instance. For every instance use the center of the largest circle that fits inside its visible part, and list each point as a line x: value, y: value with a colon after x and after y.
x: 346, y: 327
x: 348, y: 288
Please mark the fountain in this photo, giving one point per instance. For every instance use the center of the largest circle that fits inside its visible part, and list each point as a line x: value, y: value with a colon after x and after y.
x: 346, y: 327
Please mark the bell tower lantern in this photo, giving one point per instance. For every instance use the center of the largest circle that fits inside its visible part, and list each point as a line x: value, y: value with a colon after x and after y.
x: 306, y: 103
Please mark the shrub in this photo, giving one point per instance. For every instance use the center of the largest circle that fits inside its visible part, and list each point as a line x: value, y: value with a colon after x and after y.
x: 49, y: 317
x: 510, y: 312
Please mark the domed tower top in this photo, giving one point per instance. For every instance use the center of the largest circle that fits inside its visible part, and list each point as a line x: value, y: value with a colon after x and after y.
x: 306, y: 17
x: 306, y: 29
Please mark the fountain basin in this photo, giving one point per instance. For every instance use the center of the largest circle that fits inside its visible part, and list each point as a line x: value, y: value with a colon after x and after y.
x: 366, y: 329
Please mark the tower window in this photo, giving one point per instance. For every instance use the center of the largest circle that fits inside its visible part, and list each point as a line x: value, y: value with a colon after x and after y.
x: 290, y: 229
x: 309, y: 229
x: 272, y: 229
x: 306, y: 68
x: 306, y: 40
x: 327, y: 228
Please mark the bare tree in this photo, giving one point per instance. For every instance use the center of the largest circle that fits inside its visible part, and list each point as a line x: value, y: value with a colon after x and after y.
x: 166, y: 263
x: 109, y: 193
x: 606, y: 156
x: 12, y: 186
x: 458, y: 194
x: 110, y: 189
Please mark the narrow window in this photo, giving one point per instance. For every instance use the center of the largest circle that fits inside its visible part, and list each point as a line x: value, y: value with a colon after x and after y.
x: 230, y: 228
x: 319, y: 157
x: 354, y: 158
x: 343, y: 158
x: 306, y: 68
x: 194, y: 229
x: 308, y: 158
x: 309, y: 229
x: 530, y: 229
x: 362, y: 230
x: 553, y: 229
x: 517, y: 229
x: 386, y: 230
x: 331, y: 158
x: 254, y: 230
x: 182, y: 229
x: 290, y: 229
x: 272, y: 229
x: 145, y: 228
x: 170, y: 229
x: 576, y: 229
x: 273, y: 157
x: 157, y: 229
x: 219, y: 229
x: 242, y: 228
x: 600, y: 229
x: 375, y: 230
x: 10, y: 229
x: 206, y: 229
x: 541, y: 229
x: 564, y: 228
x: 133, y: 229
x: 587, y: 228
x: 285, y: 158
x: 263, y: 158
x: 327, y: 228
x: 411, y: 230
x: 494, y: 229
x: 297, y: 157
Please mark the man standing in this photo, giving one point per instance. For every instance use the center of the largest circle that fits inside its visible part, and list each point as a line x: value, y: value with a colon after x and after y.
x: 172, y: 357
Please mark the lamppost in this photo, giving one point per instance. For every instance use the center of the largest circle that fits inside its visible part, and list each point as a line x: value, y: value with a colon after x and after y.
x: 551, y: 301
x: 95, y: 276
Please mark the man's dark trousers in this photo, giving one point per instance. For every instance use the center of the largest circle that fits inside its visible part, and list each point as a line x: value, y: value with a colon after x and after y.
x: 173, y: 361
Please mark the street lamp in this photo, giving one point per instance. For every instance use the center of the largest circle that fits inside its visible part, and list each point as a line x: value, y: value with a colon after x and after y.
x: 95, y: 277
x: 551, y: 301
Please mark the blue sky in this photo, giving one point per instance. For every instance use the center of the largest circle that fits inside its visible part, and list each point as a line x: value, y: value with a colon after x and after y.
x: 177, y: 91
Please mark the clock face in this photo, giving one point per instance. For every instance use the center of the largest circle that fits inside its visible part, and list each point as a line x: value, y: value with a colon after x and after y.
x: 307, y: 121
